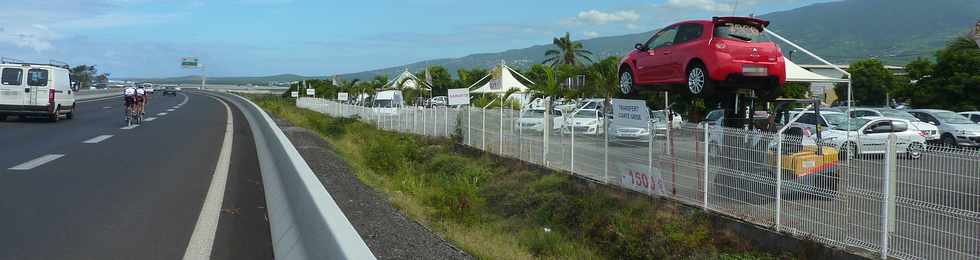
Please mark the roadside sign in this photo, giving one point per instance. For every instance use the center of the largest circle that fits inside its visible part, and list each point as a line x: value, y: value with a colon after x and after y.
x: 630, y: 112
x: 637, y: 177
x: 310, y: 92
x: 342, y: 96
x: 189, y: 62
x: 294, y: 94
x: 459, y: 96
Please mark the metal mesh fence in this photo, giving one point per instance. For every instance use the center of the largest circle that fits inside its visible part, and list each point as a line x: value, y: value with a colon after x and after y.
x: 893, y: 203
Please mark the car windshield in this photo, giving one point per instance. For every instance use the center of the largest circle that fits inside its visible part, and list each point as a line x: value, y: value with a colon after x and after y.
x: 714, y: 115
x: 586, y: 114
x: 658, y: 116
x: 835, y: 119
x: 532, y: 114
x: 894, y: 113
x: 739, y: 31
x: 853, y: 125
x: 952, y: 118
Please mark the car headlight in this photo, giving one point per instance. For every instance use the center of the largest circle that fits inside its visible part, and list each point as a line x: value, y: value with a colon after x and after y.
x: 593, y: 122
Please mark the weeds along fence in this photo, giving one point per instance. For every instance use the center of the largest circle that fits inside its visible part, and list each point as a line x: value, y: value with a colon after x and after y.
x: 885, y: 204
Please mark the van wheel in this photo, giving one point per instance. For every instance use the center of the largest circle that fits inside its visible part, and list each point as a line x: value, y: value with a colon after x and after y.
x: 3, y: 117
x: 71, y: 114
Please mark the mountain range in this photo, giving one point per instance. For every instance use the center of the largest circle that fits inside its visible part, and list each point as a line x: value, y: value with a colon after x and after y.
x: 894, y: 31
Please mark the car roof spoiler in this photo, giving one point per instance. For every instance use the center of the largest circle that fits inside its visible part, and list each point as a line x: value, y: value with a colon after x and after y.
x: 740, y: 19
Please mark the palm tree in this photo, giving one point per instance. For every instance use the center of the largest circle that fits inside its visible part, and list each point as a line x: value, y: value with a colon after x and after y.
x: 604, y: 77
x: 963, y: 42
x: 549, y: 89
x: 568, y: 52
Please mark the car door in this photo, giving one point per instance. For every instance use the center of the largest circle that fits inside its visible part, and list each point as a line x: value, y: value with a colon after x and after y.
x: 684, y: 48
x: 874, y: 136
x: 653, y: 65
x: 12, y: 86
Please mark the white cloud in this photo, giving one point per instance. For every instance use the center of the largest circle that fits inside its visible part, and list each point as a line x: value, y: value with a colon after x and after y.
x: 596, y: 17
x: 591, y: 34
x: 703, y: 5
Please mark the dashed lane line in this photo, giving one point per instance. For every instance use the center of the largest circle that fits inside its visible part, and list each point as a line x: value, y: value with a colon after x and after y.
x: 148, y: 119
x: 97, y: 139
x: 128, y: 127
x: 36, y: 162
x: 162, y: 114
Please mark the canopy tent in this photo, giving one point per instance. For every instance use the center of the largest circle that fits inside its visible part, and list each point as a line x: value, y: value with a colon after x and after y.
x: 406, y: 80
x: 795, y: 73
x: 500, y: 80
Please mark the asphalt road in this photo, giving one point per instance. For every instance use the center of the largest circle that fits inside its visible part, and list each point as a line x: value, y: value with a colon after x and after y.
x: 937, y: 214
x: 90, y: 188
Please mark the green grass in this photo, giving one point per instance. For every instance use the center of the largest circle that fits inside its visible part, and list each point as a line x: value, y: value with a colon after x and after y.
x: 502, y: 209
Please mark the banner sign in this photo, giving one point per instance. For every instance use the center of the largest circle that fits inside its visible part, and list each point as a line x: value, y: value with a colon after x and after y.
x: 342, y: 96
x: 459, y: 96
x: 294, y: 94
x: 310, y: 92
x: 637, y: 177
x: 629, y: 112
x: 189, y: 62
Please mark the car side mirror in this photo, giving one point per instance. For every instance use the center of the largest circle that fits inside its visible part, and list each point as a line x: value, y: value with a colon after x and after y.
x: 641, y: 47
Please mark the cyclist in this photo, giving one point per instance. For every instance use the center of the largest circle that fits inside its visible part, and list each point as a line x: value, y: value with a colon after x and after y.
x: 129, y: 99
x: 141, y: 99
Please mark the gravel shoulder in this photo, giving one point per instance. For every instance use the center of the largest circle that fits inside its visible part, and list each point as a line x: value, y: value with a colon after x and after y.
x: 388, y: 233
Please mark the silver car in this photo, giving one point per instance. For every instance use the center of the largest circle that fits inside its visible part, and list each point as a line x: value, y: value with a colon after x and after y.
x: 931, y: 132
x: 955, y: 129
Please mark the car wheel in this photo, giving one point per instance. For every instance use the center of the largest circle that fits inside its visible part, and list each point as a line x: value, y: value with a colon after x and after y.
x: 3, y: 117
x: 914, y: 150
x: 698, y: 82
x: 949, y: 141
x: 848, y: 151
x: 626, y: 82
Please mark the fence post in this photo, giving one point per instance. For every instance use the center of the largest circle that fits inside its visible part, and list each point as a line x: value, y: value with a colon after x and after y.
x: 483, y: 131
x: 779, y: 181
x: 888, y: 192
x: 469, y: 125
x: 572, y: 166
x: 446, y: 109
x: 705, y: 182
x: 605, y: 150
x: 650, y: 136
x: 501, y: 132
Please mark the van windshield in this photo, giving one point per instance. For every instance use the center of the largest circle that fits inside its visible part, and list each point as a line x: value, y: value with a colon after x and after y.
x: 384, y: 103
x: 739, y: 31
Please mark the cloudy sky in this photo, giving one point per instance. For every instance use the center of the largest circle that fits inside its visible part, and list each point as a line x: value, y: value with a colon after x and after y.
x: 147, y: 38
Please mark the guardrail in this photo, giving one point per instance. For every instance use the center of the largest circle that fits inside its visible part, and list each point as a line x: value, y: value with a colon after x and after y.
x: 889, y: 205
x: 304, y: 220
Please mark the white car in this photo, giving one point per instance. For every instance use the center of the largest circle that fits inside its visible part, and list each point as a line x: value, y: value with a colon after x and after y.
x: 533, y: 119
x: 972, y: 115
x: 586, y: 121
x: 955, y: 129
x: 930, y: 131
x: 869, y: 135
x: 809, y: 120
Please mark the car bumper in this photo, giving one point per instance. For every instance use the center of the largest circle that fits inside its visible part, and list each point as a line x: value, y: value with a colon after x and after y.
x: 588, y: 130
x: 730, y: 74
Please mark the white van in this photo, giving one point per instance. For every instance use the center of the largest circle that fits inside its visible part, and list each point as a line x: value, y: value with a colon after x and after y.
x: 35, y: 90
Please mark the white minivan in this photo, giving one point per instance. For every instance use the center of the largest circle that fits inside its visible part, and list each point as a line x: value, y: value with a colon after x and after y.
x: 36, y: 90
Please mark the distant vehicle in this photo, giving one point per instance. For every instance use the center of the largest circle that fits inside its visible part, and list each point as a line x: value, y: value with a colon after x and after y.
x: 586, y: 122
x: 36, y: 90
x: 972, y: 115
x: 169, y: 91
x: 869, y: 135
x: 437, y: 101
x: 533, y: 119
x: 810, y: 120
x: 929, y: 131
x: 388, y: 102
x: 707, y: 57
x: 676, y: 119
x: 955, y: 130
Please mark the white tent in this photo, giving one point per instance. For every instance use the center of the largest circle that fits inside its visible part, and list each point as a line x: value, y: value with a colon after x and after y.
x: 501, y: 80
x: 407, y: 80
x: 795, y: 73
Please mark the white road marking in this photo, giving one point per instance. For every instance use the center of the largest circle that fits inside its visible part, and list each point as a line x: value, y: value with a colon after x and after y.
x: 36, y: 162
x: 148, y: 119
x: 162, y: 114
x: 170, y: 110
x: 97, y: 99
x: 97, y: 139
x: 106, y: 107
x: 128, y: 127
x: 182, y: 102
x: 202, y: 239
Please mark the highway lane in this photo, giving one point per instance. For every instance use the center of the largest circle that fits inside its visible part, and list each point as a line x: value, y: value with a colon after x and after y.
x: 127, y: 193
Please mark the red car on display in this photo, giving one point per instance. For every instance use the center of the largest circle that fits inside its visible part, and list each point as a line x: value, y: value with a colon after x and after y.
x: 709, y: 57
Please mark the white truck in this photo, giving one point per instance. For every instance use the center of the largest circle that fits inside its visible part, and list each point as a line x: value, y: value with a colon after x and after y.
x: 28, y: 89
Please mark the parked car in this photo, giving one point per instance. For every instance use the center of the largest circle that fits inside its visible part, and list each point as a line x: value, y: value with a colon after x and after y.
x: 706, y: 57
x: 972, y: 115
x: 586, y: 122
x: 676, y: 120
x: 36, y: 90
x: 810, y: 120
x: 388, y: 102
x: 954, y: 129
x: 437, y: 101
x: 869, y: 135
x: 930, y: 131
x: 533, y: 119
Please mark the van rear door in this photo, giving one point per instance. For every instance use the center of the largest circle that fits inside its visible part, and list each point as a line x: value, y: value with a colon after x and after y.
x: 12, y: 86
x: 37, y: 82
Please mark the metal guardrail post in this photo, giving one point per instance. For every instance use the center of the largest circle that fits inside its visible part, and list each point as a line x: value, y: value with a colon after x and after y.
x: 572, y: 167
x: 483, y: 131
x: 650, y: 151
x: 469, y: 125
x: 888, y: 193
x: 605, y: 150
